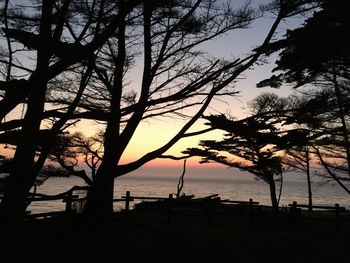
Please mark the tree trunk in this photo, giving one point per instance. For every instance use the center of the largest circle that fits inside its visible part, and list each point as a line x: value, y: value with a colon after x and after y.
x: 99, y: 201
x: 273, y: 196
x: 22, y: 178
x: 308, y: 178
x: 280, y: 190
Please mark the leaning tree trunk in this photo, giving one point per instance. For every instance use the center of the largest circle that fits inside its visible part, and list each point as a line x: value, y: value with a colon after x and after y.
x: 273, y: 196
x: 21, y: 177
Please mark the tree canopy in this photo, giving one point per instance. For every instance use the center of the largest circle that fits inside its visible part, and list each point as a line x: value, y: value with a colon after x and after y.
x: 81, y: 57
x: 313, y: 52
x: 315, y: 59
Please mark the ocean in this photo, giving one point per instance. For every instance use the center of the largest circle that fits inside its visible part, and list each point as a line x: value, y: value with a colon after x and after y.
x: 227, y: 187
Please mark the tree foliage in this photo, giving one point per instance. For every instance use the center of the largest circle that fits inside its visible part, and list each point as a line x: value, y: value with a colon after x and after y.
x: 82, y: 57
x: 250, y: 144
x: 317, y: 54
x: 313, y: 52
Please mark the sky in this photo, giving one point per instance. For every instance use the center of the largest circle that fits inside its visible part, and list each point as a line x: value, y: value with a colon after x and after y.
x: 154, y: 133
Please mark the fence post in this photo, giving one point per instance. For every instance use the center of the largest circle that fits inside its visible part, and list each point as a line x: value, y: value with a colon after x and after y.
x: 337, y: 211
x: 211, y: 210
x: 296, y: 212
x: 294, y: 209
x: 68, y: 199
x: 127, y: 201
x: 250, y: 213
x: 170, y: 204
x: 250, y: 205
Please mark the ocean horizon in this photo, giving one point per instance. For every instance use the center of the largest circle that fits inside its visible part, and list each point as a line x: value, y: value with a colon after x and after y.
x: 227, y: 187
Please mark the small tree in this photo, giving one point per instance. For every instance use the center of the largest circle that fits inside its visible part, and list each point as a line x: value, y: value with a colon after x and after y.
x: 299, y: 158
x: 252, y: 143
x: 70, y: 149
x: 64, y: 159
x: 181, y: 181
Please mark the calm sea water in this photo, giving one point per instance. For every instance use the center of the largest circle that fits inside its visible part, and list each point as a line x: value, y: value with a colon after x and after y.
x: 227, y: 188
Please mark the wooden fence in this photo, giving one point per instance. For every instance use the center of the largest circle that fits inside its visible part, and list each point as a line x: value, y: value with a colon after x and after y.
x: 74, y: 203
x: 296, y: 208
x: 70, y: 199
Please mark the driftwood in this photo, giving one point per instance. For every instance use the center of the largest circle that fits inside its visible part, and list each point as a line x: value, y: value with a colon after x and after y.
x: 43, y: 197
x: 183, y: 202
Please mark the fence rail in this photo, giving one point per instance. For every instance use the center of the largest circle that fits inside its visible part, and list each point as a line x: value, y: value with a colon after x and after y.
x: 69, y: 198
x: 336, y: 208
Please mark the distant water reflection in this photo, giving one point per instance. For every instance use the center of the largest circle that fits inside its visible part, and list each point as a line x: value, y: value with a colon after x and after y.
x: 227, y: 188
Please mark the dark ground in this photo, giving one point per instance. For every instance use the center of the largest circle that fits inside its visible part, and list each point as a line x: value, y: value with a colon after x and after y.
x: 150, y: 237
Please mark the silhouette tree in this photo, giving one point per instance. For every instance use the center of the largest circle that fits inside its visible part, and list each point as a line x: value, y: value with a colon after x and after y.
x: 273, y: 135
x: 297, y: 149
x: 318, y: 54
x: 172, y: 64
x: 181, y: 181
x: 70, y: 149
x: 299, y: 158
x: 299, y: 122
x: 99, y: 41
x: 252, y: 143
x: 58, y: 35
x: 63, y: 160
x: 6, y: 165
